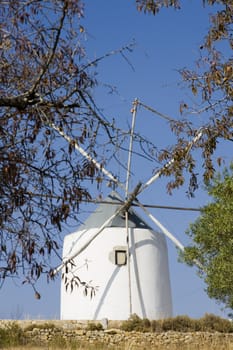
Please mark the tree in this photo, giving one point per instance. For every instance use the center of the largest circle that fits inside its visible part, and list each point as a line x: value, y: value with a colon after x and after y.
x: 47, y: 110
x: 212, y: 85
x: 212, y: 242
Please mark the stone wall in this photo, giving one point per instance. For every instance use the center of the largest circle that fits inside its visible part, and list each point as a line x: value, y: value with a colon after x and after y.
x: 113, y: 336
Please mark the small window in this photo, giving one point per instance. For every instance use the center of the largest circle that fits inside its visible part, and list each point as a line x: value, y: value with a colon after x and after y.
x: 120, y: 257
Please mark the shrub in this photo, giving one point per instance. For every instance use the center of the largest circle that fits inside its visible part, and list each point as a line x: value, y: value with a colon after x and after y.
x: 179, y: 324
x: 208, y: 323
x: 94, y: 326
x: 135, y: 323
x: 11, y: 335
x: 212, y: 323
x: 156, y: 326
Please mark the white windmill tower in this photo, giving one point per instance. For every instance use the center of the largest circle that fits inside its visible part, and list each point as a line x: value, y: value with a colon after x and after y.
x: 121, y: 254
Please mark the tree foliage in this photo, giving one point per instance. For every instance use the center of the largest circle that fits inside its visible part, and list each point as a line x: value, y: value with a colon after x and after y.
x: 211, y: 83
x: 47, y: 109
x: 212, y: 240
x: 41, y: 85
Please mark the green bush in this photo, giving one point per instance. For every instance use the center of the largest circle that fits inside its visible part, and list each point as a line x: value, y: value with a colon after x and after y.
x: 11, y: 335
x: 135, y: 323
x: 156, y: 326
x: 210, y: 323
x: 179, y: 324
x: 91, y: 326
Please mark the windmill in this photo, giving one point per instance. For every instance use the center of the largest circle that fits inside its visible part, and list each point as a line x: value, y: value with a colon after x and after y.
x: 115, y: 248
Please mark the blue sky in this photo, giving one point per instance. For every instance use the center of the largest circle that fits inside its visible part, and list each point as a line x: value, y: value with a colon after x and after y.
x: 163, y: 45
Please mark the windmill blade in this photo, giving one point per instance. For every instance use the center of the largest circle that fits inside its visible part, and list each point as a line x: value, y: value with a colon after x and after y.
x: 162, y: 115
x: 125, y: 206
x: 167, y: 233
x: 167, y: 165
x: 108, y: 173
x: 135, y: 104
x: 134, y: 112
x: 83, y: 152
x: 87, y: 155
x: 81, y: 249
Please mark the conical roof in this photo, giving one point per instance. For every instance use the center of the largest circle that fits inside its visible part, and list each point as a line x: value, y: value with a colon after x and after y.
x: 105, y: 210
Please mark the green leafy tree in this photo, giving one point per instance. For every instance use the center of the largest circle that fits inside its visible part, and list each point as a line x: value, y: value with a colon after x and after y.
x: 212, y: 240
x: 211, y: 84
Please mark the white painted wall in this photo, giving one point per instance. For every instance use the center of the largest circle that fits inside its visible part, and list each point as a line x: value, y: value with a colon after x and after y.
x: 150, y: 282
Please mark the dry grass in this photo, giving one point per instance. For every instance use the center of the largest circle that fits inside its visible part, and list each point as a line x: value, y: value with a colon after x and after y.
x: 211, y: 346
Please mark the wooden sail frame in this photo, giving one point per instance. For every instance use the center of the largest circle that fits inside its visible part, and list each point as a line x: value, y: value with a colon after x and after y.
x: 129, y: 199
